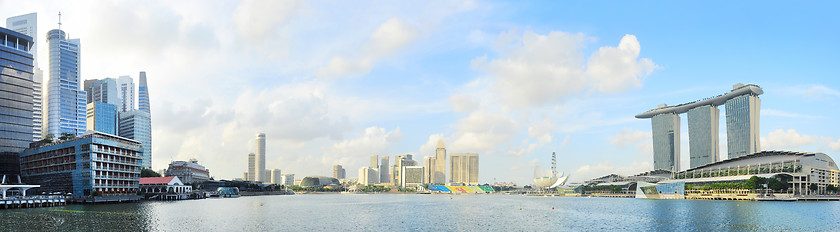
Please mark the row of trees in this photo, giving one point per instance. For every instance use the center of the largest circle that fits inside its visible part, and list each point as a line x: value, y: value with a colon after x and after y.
x: 753, y: 183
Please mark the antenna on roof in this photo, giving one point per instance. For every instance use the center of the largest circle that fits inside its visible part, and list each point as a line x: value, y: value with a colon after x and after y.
x: 59, y: 20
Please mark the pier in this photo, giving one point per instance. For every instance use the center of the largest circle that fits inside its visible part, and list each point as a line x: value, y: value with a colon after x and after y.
x: 32, y: 202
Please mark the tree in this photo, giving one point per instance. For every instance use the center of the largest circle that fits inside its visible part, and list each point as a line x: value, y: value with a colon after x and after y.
x: 755, y: 182
x: 66, y: 136
x: 813, y: 187
x: 148, y: 173
x: 48, y: 139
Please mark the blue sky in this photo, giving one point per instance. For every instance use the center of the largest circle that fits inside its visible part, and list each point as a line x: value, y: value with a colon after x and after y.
x: 335, y: 82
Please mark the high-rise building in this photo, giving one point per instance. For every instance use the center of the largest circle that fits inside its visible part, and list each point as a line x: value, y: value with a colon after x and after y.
x: 703, y: 124
x: 464, y: 168
x: 666, y: 142
x: 102, y: 117
x: 260, y: 159
x: 428, y: 169
x: 742, y: 116
x: 66, y: 105
x: 338, y: 172
x: 440, y: 163
x: 401, y: 161
x: 276, y: 176
x: 16, y: 91
x: 411, y: 176
x: 137, y: 125
x: 125, y: 92
x: 104, y: 90
x: 143, y: 94
x: 287, y: 179
x: 28, y: 25
x: 374, y: 161
x: 252, y: 167
x: 384, y: 174
x: 368, y: 176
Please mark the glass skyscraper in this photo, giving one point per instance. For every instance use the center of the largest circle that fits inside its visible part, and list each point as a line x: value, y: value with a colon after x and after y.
x: 742, y: 115
x: 703, y: 124
x: 104, y: 91
x: 66, y: 102
x: 102, y: 117
x: 137, y: 125
x: 125, y: 92
x: 666, y: 142
x: 28, y: 25
x: 16, y: 91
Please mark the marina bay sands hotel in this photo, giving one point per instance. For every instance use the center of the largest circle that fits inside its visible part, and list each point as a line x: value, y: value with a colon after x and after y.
x: 742, y: 107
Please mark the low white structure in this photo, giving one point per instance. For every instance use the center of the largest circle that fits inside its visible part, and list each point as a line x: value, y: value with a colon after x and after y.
x: 164, y: 185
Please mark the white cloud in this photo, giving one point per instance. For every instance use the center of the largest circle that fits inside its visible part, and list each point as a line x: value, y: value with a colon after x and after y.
x: 481, y: 131
x: 463, y: 103
x: 534, y: 69
x: 374, y: 141
x: 541, y: 131
x: 587, y: 172
x: 786, y: 140
x: 390, y: 37
x: 640, y: 139
x: 615, y: 69
x: 835, y: 145
x: 429, y: 147
x: 259, y: 21
x: 779, y: 113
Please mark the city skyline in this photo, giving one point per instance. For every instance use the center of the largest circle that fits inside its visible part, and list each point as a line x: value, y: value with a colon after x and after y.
x: 397, y: 83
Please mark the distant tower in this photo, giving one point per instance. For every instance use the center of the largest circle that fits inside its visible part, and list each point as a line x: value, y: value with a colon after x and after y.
x: 125, y: 91
x: 260, y: 159
x: 384, y: 174
x: 440, y: 164
x: 249, y: 176
x: 143, y: 94
x: 553, y: 164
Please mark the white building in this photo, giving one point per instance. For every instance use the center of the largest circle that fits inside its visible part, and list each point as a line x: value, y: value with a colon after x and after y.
x: 287, y: 179
x: 260, y: 159
x: 276, y: 176
x: 125, y: 92
x: 411, y: 176
x: 464, y: 168
x: 368, y: 176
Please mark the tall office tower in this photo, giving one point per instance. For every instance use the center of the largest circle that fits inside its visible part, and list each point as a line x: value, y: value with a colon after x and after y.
x: 703, y: 124
x: 384, y: 174
x: 137, y: 125
x: 368, y: 176
x: 251, y: 167
x: 260, y: 159
x: 66, y: 104
x: 275, y: 176
x: 401, y: 161
x: 102, y: 117
x: 428, y: 169
x: 464, y: 168
x: 411, y: 176
x: 16, y: 104
x: 666, y: 142
x: 125, y: 92
x: 338, y: 172
x: 28, y: 25
x: 742, y: 116
x: 104, y: 90
x: 440, y: 163
x: 143, y: 95
x: 374, y: 161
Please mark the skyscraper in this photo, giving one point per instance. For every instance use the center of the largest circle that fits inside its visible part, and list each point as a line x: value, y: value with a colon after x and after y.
x: 401, y: 161
x: 384, y: 174
x: 66, y: 103
x: 137, y: 125
x: 260, y: 159
x: 428, y: 169
x: 102, y: 117
x: 16, y: 91
x: 703, y: 124
x: 742, y: 115
x: 666, y: 142
x: 464, y: 168
x: 28, y: 25
x: 440, y: 163
x: 338, y: 172
x: 125, y: 92
x: 276, y: 176
x: 374, y: 161
x: 143, y: 95
x: 249, y: 176
x: 104, y: 90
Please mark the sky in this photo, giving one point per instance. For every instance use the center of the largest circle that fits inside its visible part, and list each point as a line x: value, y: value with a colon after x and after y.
x: 334, y: 82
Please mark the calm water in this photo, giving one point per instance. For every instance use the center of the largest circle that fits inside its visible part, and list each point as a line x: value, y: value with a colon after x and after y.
x: 386, y: 212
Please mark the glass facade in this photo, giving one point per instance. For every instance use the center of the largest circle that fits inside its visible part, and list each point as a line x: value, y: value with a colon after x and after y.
x: 104, y: 90
x: 16, y: 91
x: 102, y: 117
x: 66, y: 101
x: 136, y: 125
x: 703, y: 135
x: 143, y: 94
x: 666, y: 142
x: 742, y: 115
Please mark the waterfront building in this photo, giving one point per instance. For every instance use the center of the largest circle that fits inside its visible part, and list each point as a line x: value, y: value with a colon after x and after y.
x: 802, y: 169
x: 411, y: 176
x: 102, y: 117
x: 703, y: 135
x: 275, y: 176
x: 259, y: 160
x: 368, y: 176
x: 28, y: 25
x: 190, y: 172
x: 401, y: 161
x: 287, y: 179
x: 95, y: 162
x: 166, y: 185
x: 384, y: 173
x: 440, y: 164
x: 464, y: 167
x: 137, y: 125
x: 428, y: 169
x: 338, y: 172
x: 66, y: 105
x: 666, y: 142
x: 318, y: 181
x: 742, y: 118
x: 104, y: 90
x: 125, y: 92
x: 16, y: 91
x: 742, y: 107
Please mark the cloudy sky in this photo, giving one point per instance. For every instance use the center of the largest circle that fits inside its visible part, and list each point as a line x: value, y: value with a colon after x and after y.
x: 333, y: 82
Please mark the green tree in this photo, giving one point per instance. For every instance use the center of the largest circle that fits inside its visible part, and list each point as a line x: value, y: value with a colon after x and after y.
x: 813, y: 187
x: 66, y: 136
x: 755, y: 182
x: 148, y: 173
x: 48, y: 139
